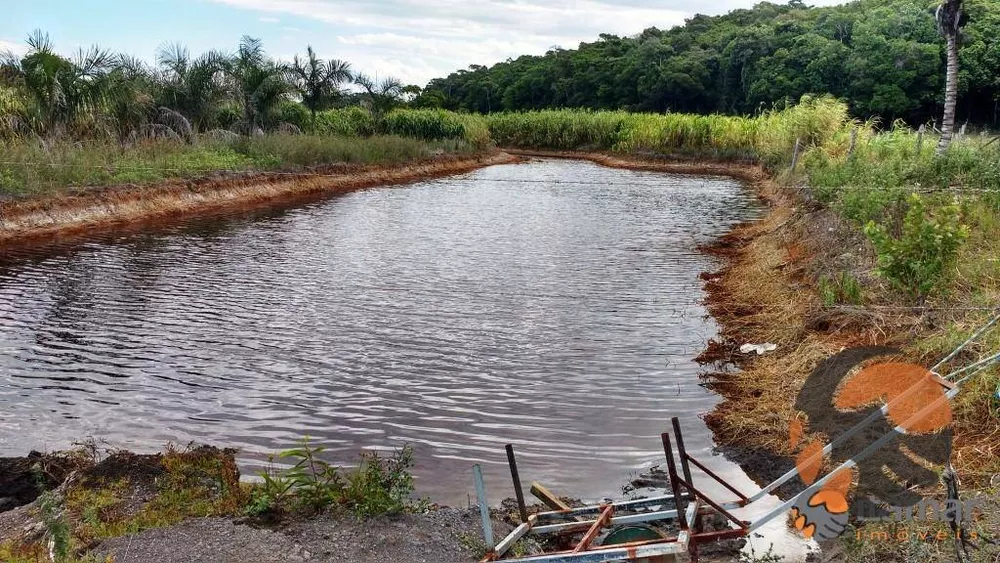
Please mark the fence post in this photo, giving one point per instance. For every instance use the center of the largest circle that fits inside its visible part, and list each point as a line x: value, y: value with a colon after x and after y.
x: 795, y: 154
x: 516, y: 478
x: 854, y: 142
x: 484, y: 508
x: 920, y: 139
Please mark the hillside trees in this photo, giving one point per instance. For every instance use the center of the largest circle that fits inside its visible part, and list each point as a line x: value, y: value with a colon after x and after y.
x: 884, y: 57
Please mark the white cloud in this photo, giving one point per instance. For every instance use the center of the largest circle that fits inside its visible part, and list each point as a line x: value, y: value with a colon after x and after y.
x: 269, y: 19
x: 16, y: 47
x: 417, y: 40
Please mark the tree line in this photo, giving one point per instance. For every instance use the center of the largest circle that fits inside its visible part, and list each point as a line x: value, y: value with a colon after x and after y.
x: 100, y: 94
x: 886, y: 58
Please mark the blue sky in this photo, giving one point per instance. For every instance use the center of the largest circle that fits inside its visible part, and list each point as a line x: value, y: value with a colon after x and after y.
x: 414, y: 40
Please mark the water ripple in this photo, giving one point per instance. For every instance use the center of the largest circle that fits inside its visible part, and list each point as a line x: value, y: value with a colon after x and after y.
x: 456, y: 315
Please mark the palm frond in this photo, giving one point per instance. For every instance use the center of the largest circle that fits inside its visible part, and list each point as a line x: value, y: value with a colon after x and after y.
x: 251, y: 51
x: 176, y: 122
x: 339, y: 71
x: 173, y: 57
x: 39, y: 42
x: 93, y: 61
x: 132, y: 68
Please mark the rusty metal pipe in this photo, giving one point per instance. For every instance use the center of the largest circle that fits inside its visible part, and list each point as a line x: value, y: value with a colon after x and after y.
x: 674, y: 481
x: 518, y: 493
x: 680, y: 449
x: 718, y: 479
x: 713, y: 504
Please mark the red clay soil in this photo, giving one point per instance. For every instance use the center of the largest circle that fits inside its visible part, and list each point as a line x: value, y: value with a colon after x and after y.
x: 87, y: 210
x: 746, y: 171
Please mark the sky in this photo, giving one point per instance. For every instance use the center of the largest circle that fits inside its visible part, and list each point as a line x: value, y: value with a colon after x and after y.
x: 413, y: 40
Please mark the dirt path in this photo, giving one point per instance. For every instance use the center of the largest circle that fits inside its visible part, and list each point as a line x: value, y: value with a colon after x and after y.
x: 445, y: 536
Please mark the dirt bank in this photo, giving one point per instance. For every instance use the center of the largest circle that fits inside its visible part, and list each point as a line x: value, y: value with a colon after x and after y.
x: 188, y: 505
x: 746, y: 171
x: 96, y: 208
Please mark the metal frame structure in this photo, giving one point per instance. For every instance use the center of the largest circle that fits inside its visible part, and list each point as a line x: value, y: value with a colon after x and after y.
x: 688, y: 505
x: 691, y: 504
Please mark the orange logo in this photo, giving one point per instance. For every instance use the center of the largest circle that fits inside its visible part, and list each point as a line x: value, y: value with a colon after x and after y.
x: 915, y: 402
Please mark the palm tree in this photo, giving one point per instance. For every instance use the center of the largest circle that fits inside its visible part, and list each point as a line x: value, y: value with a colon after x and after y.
x: 129, y: 96
x: 381, y: 96
x: 259, y: 82
x: 319, y: 82
x: 62, y: 91
x: 194, y: 88
x: 949, y: 20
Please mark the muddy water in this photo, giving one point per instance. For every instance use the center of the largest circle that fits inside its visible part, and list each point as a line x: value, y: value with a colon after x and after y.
x: 554, y: 305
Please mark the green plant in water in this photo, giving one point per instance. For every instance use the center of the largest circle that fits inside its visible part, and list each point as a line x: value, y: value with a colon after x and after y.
x: 920, y: 258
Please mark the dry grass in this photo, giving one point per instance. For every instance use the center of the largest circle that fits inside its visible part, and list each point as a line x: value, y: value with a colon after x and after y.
x: 764, y: 296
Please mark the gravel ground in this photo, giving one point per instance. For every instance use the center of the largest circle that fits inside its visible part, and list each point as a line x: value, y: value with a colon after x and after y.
x: 438, y: 537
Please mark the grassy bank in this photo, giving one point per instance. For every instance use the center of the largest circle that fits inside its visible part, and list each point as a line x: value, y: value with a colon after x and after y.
x: 350, y: 136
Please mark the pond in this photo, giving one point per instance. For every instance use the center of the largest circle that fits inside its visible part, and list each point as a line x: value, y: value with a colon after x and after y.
x: 554, y: 305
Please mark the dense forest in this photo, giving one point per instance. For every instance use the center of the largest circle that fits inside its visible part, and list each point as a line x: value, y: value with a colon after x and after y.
x: 885, y: 57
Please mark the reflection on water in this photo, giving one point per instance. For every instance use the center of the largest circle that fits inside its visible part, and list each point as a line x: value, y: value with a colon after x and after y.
x: 554, y: 305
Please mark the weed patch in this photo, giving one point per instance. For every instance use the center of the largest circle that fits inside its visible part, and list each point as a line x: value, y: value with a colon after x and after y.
x: 127, y: 493
x: 378, y: 485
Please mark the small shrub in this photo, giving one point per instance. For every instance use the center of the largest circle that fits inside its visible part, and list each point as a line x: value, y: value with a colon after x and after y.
x: 316, y: 483
x: 380, y: 485
x: 850, y: 289
x: 295, y: 114
x: 271, y: 494
x: 768, y: 556
x: 920, y: 258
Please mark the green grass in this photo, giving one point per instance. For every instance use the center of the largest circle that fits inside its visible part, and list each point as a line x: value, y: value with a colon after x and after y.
x: 769, y: 137
x: 192, y: 483
x: 424, y: 124
x: 29, y: 170
x: 127, y: 493
x: 438, y: 125
x: 351, y: 121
